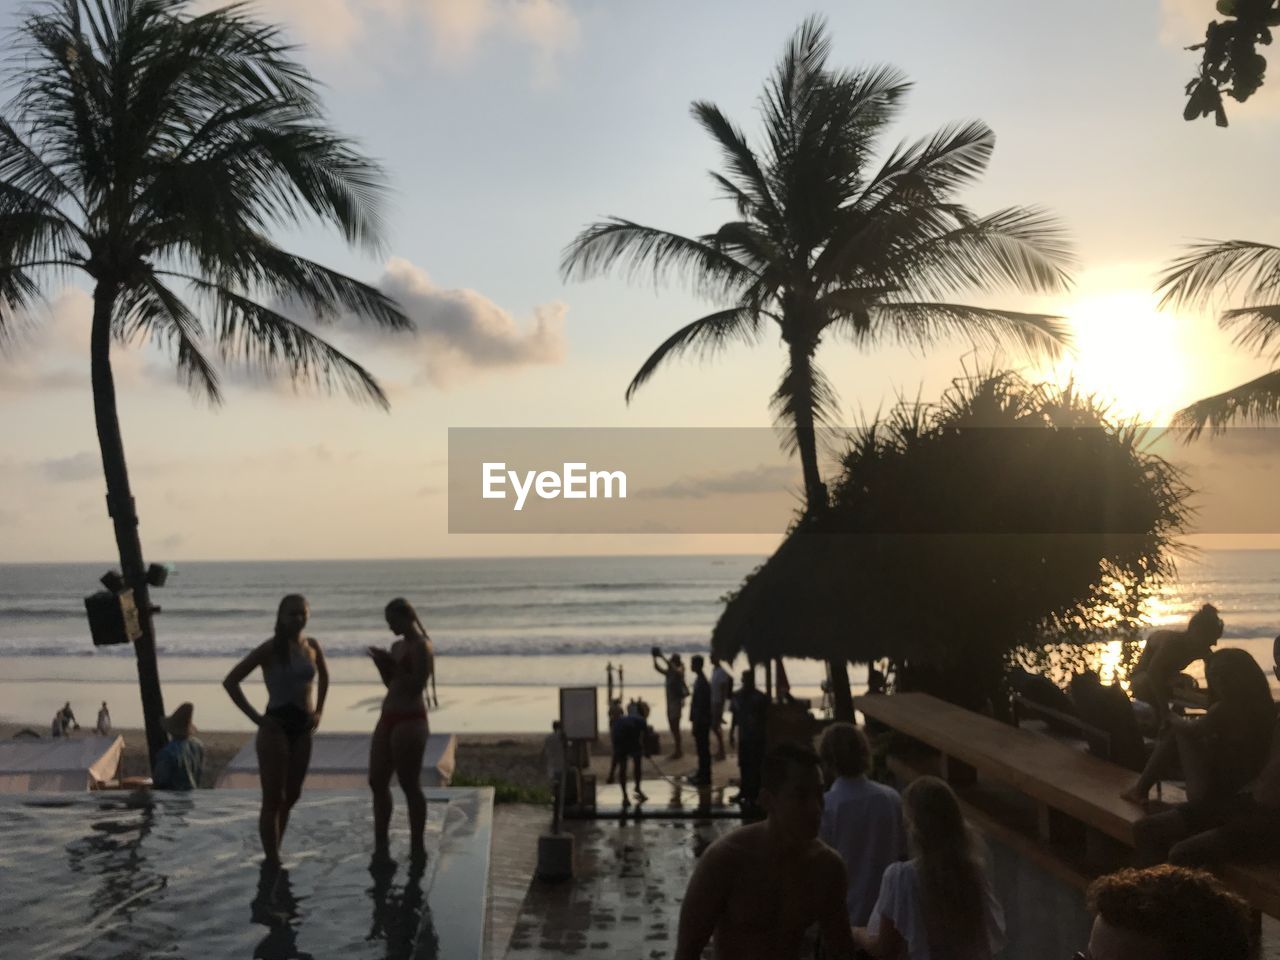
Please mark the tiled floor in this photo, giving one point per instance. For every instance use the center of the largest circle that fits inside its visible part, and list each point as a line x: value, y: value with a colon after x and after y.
x: 625, y: 898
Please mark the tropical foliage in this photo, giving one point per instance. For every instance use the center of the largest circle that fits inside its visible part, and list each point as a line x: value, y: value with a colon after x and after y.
x: 151, y: 152
x: 1230, y: 62
x: 1003, y: 520
x: 828, y: 242
x: 1252, y: 271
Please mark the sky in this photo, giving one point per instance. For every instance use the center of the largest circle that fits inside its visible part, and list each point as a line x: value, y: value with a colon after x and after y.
x: 505, y: 127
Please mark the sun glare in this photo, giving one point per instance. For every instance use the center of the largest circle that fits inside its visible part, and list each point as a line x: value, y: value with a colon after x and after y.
x: 1128, y: 353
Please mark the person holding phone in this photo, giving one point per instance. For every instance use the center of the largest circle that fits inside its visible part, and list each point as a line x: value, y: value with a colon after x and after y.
x: 400, y: 738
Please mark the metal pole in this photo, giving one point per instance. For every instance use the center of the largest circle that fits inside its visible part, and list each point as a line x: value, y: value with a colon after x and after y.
x: 564, y: 779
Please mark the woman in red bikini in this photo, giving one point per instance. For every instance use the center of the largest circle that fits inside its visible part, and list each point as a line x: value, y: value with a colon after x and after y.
x: 400, y: 738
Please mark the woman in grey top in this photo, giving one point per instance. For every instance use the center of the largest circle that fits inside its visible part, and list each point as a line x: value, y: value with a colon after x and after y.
x: 291, y: 664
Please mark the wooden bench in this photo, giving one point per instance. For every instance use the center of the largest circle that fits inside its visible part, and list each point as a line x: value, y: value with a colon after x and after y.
x: 1075, y: 796
x: 1099, y: 740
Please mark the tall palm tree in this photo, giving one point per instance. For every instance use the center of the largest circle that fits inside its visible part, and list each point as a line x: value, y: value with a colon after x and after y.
x: 829, y: 243
x: 152, y: 151
x: 1231, y: 266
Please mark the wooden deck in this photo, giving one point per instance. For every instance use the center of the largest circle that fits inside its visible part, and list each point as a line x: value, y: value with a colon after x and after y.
x: 1072, y: 813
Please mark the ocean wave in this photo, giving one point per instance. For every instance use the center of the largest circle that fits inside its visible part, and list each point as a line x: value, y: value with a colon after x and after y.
x: 473, y: 647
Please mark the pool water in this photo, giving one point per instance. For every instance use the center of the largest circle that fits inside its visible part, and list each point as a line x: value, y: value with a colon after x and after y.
x: 114, y: 876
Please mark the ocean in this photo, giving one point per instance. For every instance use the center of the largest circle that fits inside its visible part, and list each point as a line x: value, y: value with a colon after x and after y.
x: 500, y: 624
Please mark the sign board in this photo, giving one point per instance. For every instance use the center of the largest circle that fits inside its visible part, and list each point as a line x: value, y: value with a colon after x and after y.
x: 578, y: 714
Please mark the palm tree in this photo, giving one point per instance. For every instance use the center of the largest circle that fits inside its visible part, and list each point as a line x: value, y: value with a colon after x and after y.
x: 151, y: 151
x: 827, y: 243
x: 1230, y: 266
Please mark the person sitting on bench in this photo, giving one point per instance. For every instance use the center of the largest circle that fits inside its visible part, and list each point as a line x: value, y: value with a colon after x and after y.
x: 1168, y: 652
x: 1222, y: 751
x: 1247, y: 827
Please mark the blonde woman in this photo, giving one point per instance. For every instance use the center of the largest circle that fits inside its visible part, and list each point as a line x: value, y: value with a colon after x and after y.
x: 939, y: 904
x: 291, y: 665
x: 400, y: 738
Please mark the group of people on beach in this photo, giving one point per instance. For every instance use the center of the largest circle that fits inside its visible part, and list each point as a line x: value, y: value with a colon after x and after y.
x: 709, y: 699
x: 297, y: 680
x: 904, y: 877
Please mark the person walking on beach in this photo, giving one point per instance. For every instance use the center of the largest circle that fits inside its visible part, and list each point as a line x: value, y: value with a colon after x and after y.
x: 104, y: 720
x: 721, y: 691
x: 291, y: 665
x: 700, y: 721
x: 68, y: 718
x: 939, y: 904
x: 758, y: 889
x: 672, y: 671
x: 180, y: 765
x: 1165, y: 913
x: 400, y: 738
x: 861, y: 819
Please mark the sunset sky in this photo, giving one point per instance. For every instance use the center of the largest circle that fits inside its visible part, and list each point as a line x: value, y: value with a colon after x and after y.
x: 507, y: 125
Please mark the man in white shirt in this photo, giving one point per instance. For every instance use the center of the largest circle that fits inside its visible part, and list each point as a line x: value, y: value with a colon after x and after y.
x: 861, y: 819
x: 721, y: 690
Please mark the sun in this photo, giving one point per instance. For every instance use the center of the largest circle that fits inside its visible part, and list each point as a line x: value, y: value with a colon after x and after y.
x: 1129, y: 353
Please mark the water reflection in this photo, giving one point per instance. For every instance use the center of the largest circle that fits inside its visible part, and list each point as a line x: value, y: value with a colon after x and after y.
x: 401, y: 916
x: 276, y: 908
x: 129, y: 879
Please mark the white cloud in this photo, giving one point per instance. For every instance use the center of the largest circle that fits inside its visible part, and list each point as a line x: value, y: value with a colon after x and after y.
x: 462, y: 332
x: 454, y: 29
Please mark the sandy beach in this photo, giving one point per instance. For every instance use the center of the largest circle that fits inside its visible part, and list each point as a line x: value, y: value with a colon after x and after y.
x: 513, y: 758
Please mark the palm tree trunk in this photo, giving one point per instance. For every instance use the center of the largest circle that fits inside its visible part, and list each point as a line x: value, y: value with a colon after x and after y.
x: 123, y: 515
x: 815, y: 491
x: 815, y: 495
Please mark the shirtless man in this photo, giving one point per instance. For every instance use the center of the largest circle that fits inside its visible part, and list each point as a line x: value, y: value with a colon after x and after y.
x: 760, y: 888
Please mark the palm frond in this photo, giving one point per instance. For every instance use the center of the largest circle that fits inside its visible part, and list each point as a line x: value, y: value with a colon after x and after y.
x: 269, y: 342
x: 1225, y: 267
x: 749, y: 186
x: 803, y: 391
x: 706, y: 335
x: 635, y: 248
x: 1257, y: 401
x: 1019, y: 248
x: 923, y: 324
x: 1257, y: 328
x: 152, y: 309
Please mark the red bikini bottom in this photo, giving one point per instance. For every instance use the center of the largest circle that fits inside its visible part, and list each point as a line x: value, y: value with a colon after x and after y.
x: 387, y: 722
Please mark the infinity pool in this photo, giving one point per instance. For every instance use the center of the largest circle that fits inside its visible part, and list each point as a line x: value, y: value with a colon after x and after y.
x: 113, y: 876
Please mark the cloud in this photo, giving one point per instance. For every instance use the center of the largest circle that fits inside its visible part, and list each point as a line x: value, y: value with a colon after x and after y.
x: 72, y: 469
x: 462, y: 332
x: 763, y: 478
x: 454, y: 29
